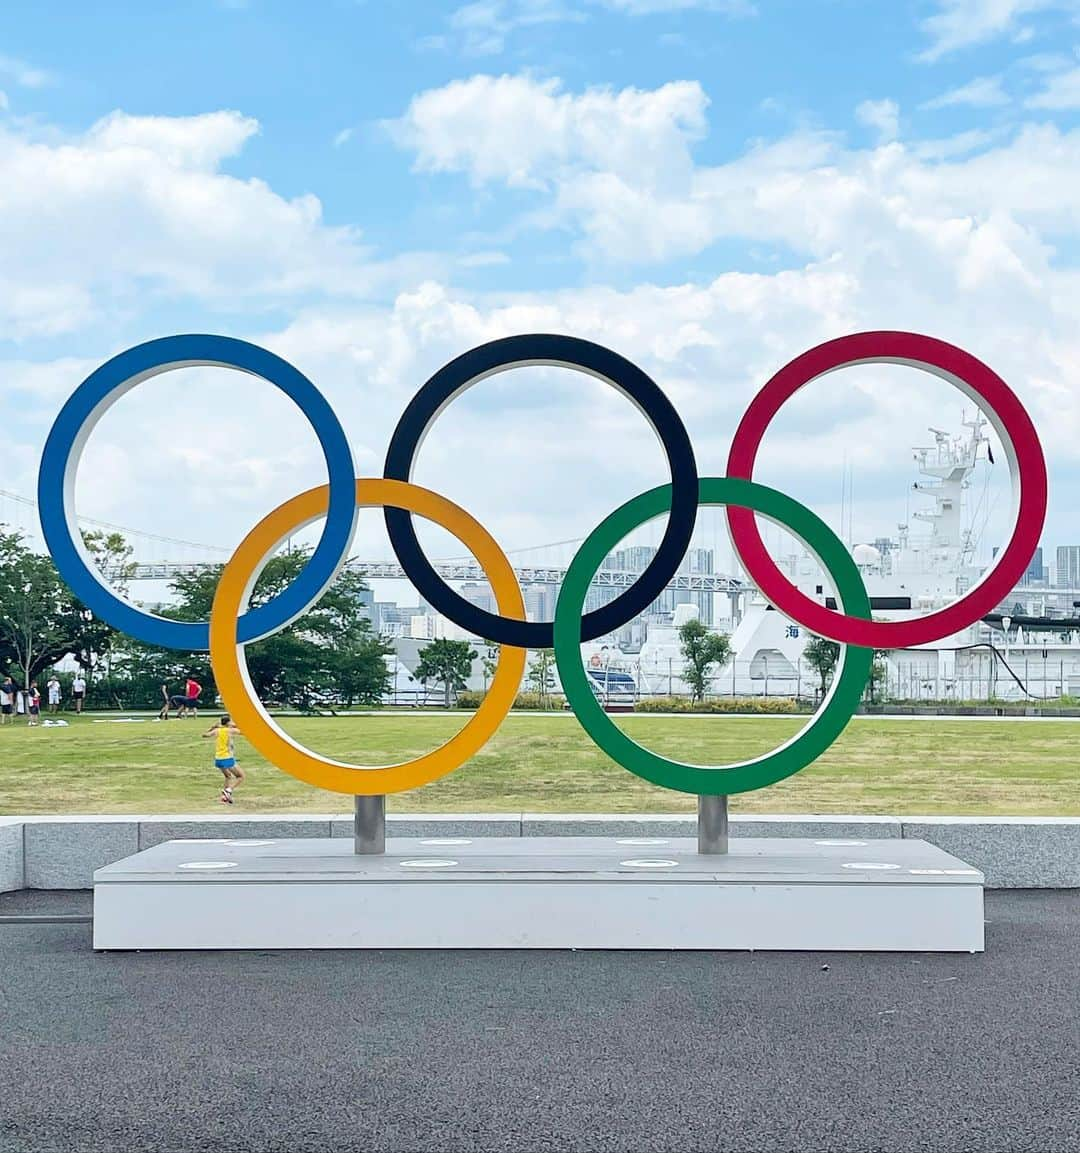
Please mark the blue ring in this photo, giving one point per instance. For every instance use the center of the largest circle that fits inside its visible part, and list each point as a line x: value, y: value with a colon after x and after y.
x: 97, y: 393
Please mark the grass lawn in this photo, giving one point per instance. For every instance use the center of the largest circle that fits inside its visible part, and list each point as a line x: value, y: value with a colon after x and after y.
x: 547, y: 764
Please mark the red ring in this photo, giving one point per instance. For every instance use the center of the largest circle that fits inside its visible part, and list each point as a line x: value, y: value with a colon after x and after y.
x: 1009, y: 418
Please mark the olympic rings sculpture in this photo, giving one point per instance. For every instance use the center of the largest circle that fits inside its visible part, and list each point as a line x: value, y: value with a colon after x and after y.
x: 233, y: 625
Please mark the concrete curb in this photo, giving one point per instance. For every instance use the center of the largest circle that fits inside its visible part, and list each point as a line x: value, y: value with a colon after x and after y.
x: 61, y: 852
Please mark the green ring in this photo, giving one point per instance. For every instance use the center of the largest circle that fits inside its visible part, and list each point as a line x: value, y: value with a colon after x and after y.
x: 810, y: 742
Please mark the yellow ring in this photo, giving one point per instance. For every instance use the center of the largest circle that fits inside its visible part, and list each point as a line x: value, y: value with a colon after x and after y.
x: 230, y: 666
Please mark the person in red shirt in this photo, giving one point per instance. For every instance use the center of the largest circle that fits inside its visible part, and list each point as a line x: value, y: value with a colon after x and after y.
x: 191, y: 703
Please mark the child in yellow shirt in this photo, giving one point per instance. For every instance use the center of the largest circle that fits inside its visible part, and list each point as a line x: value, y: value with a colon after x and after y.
x: 225, y: 756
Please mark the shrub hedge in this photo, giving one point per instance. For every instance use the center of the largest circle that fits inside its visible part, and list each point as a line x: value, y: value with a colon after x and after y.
x: 717, y: 705
x: 470, y: 699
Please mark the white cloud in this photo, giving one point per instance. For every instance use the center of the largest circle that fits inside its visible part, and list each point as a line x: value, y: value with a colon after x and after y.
x: 961, y: 23
x: 586, y: 448
x: 526, y: 132
x: 955, y: 238
x: 958, y: 144
x: 191, y: 142
x: 481, y: 27
x: 881, y: 115
x: 23, y: 74
x: 343, y: 137
x: 565, y: 449
x: 1061, y: 91
x: 982, y: 92
x: 138, y: 208
x: 951, y: 237
x: 620, y: 174
x: 1045, y: 62
x: 483, y: 259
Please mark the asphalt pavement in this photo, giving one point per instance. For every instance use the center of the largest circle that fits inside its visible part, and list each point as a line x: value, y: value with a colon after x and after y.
x: 541, y: 1051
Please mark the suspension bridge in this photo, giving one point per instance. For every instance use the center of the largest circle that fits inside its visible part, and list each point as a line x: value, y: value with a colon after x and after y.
x: 20, y: 512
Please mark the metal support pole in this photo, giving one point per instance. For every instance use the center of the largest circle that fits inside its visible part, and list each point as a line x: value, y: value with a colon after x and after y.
x: 712, y: 825
x: 369, y: 825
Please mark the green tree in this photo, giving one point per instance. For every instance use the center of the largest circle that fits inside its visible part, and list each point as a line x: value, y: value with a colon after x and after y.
x: 541, y: 677
x: 877, y: 678
x: 137, y: 672
x: 32, y: 610
x: 701, y: 649
x: 95, y: 639
x: 359, y: 675
x: 489, y: 663
x: 330, y: 649
x: 449, y: 662
x: 40, y: 621
x: 112, y: 555
x: 821, y: 655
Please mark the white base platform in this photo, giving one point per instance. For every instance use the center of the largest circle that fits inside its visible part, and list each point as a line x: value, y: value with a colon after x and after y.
x: 541, y: 893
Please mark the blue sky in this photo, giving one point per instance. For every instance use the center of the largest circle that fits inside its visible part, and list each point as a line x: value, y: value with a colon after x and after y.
x: 709, y: 187
x: 765, y: 68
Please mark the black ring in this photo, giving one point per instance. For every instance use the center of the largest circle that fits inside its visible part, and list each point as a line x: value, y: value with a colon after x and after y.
x: 564, y: 352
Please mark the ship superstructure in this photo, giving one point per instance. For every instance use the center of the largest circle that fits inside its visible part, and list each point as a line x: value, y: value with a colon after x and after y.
x: 1029, y: 649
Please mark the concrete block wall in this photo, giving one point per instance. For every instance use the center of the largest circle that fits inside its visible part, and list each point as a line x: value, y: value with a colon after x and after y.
x: 57, y: 852
x: 154, y: 830
x: 12, y: 858
x: 63, y: 852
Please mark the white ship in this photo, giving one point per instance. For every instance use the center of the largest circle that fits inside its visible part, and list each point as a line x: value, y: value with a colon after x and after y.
x: 1028, y: 650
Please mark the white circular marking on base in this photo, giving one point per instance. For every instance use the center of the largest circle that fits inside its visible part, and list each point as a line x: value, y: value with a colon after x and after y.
x: 650, y: 863
x: 446, y: 841
x: 855, y: 843
x: 642, y: 840
x: 249, y: 842
x: 207, y: 865
x: 869, y: 865
x: 427, y: 863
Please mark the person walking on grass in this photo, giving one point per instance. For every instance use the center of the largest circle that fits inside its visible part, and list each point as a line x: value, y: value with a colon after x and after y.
x: 225, y: 756
x: 172, y: 701
x: 78, y: 690
x: 53, y: 687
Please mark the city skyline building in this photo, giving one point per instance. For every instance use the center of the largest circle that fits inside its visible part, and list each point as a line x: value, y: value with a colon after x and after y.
x: 1067, y: 568
x: 540, y: 602
x: 395, y: 621
x: 479, y: 594
x: 1035, y: 570
x: 698, y: 561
